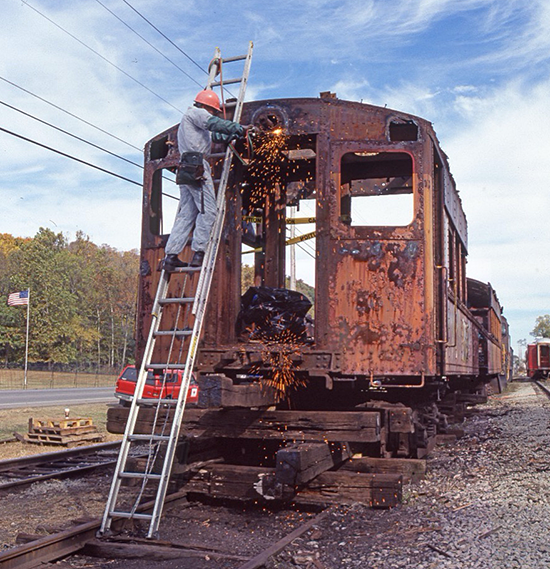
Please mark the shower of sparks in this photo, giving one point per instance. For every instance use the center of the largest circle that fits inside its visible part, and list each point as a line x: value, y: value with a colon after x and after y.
x: 278, y: 349
x: 266, y: 171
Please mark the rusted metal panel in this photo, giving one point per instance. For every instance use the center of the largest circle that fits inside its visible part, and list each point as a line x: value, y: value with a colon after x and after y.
x: 460, y: 355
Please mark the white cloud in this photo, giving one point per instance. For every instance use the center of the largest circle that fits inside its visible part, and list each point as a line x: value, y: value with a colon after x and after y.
x: 500, y: 163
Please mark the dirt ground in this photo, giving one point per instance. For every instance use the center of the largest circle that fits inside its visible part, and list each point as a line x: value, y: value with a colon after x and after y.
x: 482, y: 505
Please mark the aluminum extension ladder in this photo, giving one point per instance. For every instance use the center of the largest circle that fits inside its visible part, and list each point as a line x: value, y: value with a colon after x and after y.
x: 149, y: 472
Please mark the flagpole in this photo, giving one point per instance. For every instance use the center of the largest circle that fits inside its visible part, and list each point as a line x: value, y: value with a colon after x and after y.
x: 27, y: 338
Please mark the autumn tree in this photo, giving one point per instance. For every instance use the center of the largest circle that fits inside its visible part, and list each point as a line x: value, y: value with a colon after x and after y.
x: 83, y: 300
x: 542, y: 327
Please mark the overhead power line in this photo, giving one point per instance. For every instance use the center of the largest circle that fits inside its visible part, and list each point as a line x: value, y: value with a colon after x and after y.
x: 68, y: 156
x: 165, y: 36
x: 148, y: 43
x: 101, y: 56
x: 84, y: 140
x: 305, y: 251
x: 171, y: 42
x: 71, y: 135
x: 69, y: 113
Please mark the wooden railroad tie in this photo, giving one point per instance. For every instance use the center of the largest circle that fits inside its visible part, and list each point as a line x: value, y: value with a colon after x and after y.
x: 246, y: 483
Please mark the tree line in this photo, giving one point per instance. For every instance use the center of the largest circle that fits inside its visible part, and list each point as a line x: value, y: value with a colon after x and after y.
x: 82, y: 301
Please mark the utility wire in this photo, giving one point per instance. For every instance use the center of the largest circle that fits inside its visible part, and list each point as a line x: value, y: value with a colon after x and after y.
x: 70, y: 114
x: 78, y: 137
x: 71, y: 135
x: 101, y: 56
x: 149, y: 43
x: 69, y: 156
x: 305, y: 251
x: 165, y: 36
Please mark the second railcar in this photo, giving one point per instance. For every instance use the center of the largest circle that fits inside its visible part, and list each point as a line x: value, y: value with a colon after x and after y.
x: 538, y: 359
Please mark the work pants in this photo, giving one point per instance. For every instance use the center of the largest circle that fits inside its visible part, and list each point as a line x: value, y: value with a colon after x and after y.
x: 190, y: 213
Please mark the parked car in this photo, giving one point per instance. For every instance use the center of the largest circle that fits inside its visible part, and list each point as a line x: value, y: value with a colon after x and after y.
x: 157, y: 385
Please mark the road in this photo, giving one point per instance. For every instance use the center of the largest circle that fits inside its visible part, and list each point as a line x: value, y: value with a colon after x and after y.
x: 11, y: 399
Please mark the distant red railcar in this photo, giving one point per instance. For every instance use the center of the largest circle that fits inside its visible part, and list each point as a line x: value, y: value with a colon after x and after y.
x: 538, y: 359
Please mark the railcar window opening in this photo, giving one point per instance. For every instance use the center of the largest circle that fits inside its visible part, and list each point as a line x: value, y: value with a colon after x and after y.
x: 282, y: 173
x: 301, y: 245
x: 377, y: 189
x: 158, y: 148
x: 402, y: 130
x: 463, y: 286
x: 544, y: 355
x: 164, y: 202
x: 456, y: 263
x: 452, y: 265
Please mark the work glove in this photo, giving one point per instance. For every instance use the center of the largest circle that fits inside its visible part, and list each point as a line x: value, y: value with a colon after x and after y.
x: 251, y: 130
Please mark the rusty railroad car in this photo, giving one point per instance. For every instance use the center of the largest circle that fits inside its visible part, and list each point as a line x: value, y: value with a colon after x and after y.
x: 395, y: 316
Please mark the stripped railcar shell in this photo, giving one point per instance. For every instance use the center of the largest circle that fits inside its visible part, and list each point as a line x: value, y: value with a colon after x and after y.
x: 395, y: 315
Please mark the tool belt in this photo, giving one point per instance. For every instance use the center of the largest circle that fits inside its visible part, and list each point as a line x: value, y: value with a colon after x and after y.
x: 190, y: 169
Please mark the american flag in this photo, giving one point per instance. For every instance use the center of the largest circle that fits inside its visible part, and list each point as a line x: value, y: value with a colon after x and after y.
x: 18, y: 298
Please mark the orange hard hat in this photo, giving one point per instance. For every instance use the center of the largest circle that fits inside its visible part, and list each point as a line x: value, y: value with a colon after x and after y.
x: 208, y: 98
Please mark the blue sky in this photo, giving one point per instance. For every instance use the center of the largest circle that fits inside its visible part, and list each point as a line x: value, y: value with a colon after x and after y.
x: 479, y: 70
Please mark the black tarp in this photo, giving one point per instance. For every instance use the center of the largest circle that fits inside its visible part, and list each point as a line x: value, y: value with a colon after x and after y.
x: 276, y: 314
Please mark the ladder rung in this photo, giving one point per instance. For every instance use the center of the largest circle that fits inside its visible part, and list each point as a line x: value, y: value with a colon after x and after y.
x: 130, y: 515
x: 149, y: 438
x: 226, y: 82
x: 230, y: 104
x: 217, y: 155
x: 234, y: 58
x: 140, y: 475
x: 183, y: 300
x: 166, y: 366
x: 186, y: 269
x: 152, y: 401
x: 173, y: 333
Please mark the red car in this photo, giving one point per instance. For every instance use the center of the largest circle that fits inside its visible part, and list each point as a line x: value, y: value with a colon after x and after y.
x: 157, y: 385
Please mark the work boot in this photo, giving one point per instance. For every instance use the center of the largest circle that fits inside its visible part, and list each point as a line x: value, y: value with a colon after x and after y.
x: 197, y: 259
x: 172, y: 262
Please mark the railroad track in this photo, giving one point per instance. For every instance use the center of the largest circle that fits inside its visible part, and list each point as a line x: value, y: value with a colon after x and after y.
x: 542, y: 387
x: 82, y: 539
x: 60, y: 464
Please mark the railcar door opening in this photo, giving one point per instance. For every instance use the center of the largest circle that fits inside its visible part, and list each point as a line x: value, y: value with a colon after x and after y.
x: 278, y: 211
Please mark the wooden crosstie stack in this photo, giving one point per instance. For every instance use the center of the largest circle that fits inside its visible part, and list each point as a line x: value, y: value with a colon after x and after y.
x: 240, y: 447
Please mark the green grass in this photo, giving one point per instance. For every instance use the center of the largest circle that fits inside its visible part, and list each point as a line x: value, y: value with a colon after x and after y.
x: 15, y: 379
x: 18, y: 419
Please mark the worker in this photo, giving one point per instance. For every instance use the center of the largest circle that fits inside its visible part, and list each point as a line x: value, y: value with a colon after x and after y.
x: 199, y: 127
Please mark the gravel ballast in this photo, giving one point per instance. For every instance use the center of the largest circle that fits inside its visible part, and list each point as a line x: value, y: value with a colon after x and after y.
x: 485, y: 502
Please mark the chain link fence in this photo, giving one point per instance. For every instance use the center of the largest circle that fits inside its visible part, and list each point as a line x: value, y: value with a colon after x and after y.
x: 56, y: 377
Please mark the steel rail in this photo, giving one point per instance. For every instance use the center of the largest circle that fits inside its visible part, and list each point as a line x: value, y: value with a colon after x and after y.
x: 543, y: 388
x: 55, y: 462
x: 66, y: 542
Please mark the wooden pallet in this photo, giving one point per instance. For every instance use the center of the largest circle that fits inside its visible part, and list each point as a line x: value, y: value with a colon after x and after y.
x: 65, y: 432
